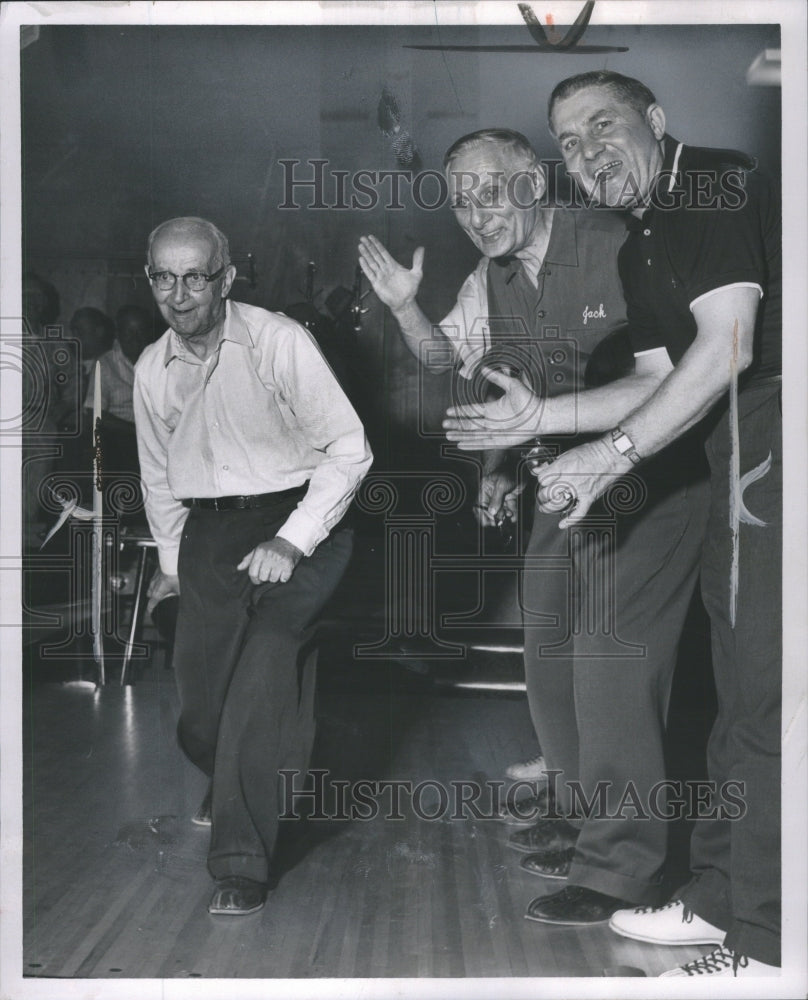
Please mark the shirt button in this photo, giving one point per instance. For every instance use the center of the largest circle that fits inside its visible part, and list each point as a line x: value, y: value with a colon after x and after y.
x: 649, y: 261
x: 226, y: 467
x: 541, y: 314
x: 646, y: 232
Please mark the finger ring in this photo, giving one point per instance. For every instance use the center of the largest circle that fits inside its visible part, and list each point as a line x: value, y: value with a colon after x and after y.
x: 571, y: 500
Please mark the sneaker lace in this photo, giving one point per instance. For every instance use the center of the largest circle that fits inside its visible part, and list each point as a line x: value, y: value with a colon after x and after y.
x: 739, y: 962
x: 656, y: 909
x: 717, y: 961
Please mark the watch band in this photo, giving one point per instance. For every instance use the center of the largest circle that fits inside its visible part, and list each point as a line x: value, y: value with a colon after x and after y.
x: 625, y: 445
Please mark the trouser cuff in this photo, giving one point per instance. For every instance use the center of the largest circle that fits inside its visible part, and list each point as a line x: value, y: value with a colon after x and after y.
x: 252, y: 866
x: 632, y: 890
x: 754, y: 942
x: 708, y: 898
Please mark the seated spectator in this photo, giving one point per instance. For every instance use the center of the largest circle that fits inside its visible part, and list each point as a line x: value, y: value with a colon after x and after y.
x: 95, y: 332
x: 133, y: 332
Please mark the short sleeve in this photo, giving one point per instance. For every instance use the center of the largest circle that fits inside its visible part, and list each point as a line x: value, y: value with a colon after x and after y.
x: 466, y: 325
x: 711, y: 248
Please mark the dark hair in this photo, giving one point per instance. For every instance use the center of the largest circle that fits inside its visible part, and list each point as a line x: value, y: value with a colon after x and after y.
x: 100, y: 321
x: 626, y: 88
x: 133, y: 312
x: 50, y: 312
x: 141, y: 316
x: 503, y: 138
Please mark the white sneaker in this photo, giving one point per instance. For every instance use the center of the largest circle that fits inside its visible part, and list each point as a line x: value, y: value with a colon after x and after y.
x: 723, y: 962
x: 668, y: 924
x: 528, y: 770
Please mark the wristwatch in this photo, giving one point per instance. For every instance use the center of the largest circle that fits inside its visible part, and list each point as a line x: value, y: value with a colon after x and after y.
x: 625, y: 445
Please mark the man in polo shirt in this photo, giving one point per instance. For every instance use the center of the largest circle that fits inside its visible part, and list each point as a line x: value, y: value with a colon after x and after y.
x: 544, y: 295
x: 701, y: 270
x: 250, y: 454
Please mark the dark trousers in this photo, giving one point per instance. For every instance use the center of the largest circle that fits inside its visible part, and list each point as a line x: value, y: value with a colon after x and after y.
x: 245, y: 683
x: 601, y: 635
x: 736, y: 861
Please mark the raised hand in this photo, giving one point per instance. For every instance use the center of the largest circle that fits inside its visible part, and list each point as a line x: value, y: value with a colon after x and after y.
x: 510, y: 420
x: 394, y: 284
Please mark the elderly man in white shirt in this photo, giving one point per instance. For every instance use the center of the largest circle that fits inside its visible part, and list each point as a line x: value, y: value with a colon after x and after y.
x: 250, y: 455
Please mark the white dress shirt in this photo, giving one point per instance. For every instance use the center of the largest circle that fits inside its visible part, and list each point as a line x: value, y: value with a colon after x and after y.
x: 263, y: 414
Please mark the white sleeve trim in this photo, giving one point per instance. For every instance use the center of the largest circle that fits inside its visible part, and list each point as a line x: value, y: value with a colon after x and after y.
x: 723, y: 288
x: 655, y: 361
x: 651, y: 350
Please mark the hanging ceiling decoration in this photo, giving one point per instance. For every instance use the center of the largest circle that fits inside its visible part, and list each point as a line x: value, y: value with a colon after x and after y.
x: 544, y: 40
x: 389, y: 120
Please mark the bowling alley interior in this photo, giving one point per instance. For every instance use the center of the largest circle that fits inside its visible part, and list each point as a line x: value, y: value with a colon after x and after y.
x: 394, y: 859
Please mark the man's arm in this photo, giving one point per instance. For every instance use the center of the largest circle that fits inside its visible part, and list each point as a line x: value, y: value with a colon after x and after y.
x: 722, y: 349
x: 519, y: 415
x: 397, y: 287
x: 328, y: 422
x: 165, y: 514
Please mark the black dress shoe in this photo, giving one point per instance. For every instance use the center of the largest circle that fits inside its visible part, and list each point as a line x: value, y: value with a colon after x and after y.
x: 574, y: 906
x: 546, y: 835
x: 236, y: 895
x: 550, y: 864
x: 527, y: 810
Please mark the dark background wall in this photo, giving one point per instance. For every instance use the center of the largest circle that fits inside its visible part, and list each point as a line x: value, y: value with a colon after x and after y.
x: 126, y: 126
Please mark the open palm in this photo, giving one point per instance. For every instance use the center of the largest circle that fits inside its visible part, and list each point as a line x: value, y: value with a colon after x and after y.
x: 510, y: 420
x: 395, y: 285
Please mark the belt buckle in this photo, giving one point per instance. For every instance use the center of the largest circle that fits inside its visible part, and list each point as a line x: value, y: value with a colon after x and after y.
x: 216, y: 503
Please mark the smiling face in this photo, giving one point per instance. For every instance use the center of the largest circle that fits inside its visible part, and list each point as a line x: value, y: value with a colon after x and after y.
x: 495, y: 197
x: 608, y: 146
x: 197, y: 317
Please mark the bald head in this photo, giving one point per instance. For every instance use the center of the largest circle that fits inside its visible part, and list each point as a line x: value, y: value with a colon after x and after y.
x: 191, y: 275
x: 190, y: 228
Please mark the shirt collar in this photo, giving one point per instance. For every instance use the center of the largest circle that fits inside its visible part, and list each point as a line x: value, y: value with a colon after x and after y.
x: 669, y: 177
x: 234, y: 329
x: 562, y: 247
x: 667, y: 180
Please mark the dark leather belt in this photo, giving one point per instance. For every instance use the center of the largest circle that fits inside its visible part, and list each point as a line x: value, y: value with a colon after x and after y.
x: 244, y: 502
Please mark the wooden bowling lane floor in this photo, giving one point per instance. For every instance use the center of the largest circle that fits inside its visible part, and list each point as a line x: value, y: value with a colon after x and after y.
x: 114, y: 877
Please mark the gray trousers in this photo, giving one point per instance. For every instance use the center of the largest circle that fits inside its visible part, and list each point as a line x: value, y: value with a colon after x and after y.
x: 603, y: 606
x: 736, y: 859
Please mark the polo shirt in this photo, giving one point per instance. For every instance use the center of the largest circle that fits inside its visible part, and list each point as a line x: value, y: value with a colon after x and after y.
x: 553, y: 327
x: 712, y: 223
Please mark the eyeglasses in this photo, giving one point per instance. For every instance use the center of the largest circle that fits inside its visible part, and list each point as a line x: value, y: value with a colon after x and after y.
x: 194, y: 281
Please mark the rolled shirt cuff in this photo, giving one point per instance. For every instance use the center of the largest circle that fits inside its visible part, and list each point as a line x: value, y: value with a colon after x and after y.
x: 302, y: 531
